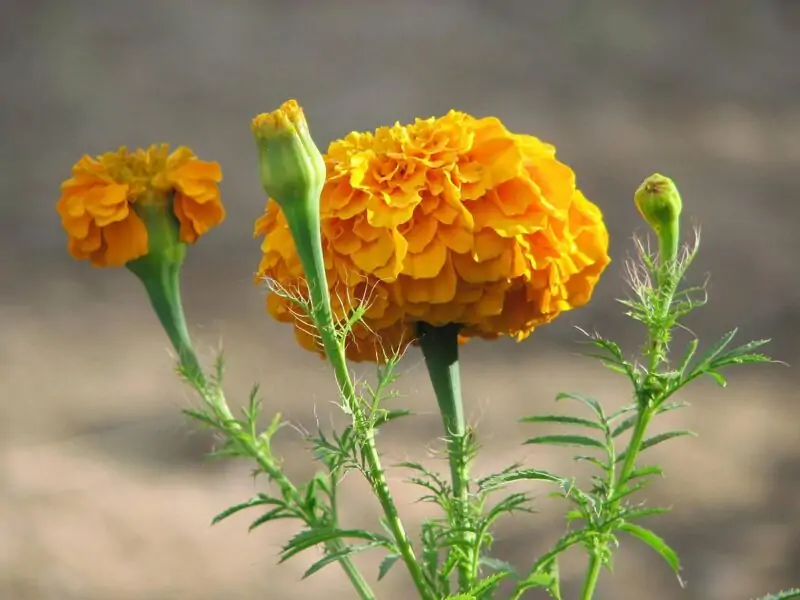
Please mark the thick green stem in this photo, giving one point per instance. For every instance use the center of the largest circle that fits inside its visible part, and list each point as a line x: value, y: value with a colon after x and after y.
x: 592, y: 576
x: 635, y: 444
x: 307, y: 238
x: 161, y: 279
x: 440, y: 349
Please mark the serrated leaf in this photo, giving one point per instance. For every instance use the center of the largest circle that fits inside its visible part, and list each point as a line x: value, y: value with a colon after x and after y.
x: 256, y: 501
x: 622, y: 369
x: 592, y: 403
x: 691, y: 349
x: 276, y: 514
x: 714, y: 351
x: 386, y: 564
x: 391, y: 415
x: 670, y: 406
x: 645, y: 472
x: 487, y: 584
x: 497, y: 480
x: 567, y: 440
x: 657, y: 439
x: 655, y: 542
x: 204, y: 418
x: 336, y: 556
x: 313, y: 537
x: 591, y: 459
x: 513, y: 503
x: 625, y: 490
x: 495, y: 564
x: 642, y: 512
x: 621, y: 412
x: 624, y: 426
x: 663, y: 437
x: 783, y: 595
x: 746, y: 349
x: 563, y: 420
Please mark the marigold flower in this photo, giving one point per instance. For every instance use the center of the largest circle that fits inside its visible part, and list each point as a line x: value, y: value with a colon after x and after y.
x: 100, y: 204
x: 447, y: 220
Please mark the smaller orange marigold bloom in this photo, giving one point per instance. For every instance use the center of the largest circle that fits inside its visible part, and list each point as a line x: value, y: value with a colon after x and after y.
x: 98, y: 203
x: 446, y: 220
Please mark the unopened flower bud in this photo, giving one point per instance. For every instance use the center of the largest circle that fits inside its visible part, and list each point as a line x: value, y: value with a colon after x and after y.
x: 291, y: 166
x: 659, y: 203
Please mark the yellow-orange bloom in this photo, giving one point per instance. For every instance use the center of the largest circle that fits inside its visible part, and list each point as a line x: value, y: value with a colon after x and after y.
x: 98, y: 204
x: 447, y: 220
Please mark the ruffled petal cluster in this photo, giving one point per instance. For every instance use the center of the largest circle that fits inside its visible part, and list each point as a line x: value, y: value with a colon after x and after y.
x: 447, y: 220
x: 98, y: 203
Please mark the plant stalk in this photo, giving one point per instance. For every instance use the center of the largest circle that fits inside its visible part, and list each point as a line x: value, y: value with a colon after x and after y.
x: 307, y: 237
x: 592, y: 576
x: 440, y: 349
x: 161, y: 281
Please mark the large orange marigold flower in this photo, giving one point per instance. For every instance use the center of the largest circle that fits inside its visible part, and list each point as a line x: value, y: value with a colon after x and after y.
x: 448, y: 220
x: 98, y: 204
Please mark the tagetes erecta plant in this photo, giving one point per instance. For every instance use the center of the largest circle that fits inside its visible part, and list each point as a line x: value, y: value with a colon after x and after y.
x: 446, y: 220
x: 432, y: 233
x: 102, y: 204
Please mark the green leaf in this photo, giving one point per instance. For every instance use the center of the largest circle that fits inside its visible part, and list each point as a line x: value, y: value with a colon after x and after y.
x: 513, y: 503
x: 591, y: 459
x: 691, y: 349
x: 669, y: 406
x: 386, y: 565
x: 642, y: 512
x: 563, y: 420
x: 657, y: 439
x: 784, y: 595
x: 336, y: 556
x: 390, y: 415
x: 567, y: 440
x: 645, y: 472
x: 621, y: 412
x: 721, y: 381
x: 313, y: 537
x: 495, y: 564
x: 709, y: 355
x: 204, y: 418
x: 663, y: 437
x: 592, y: 403
x: 655, y: 542
x: 259, y: 500
x: 486, y: 585
x: 493, y: 482
x: 281, y: 512
x: 624, y: 491
x: 624, y: 426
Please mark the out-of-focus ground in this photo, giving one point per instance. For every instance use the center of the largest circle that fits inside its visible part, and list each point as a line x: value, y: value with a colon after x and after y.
x: 105, y: 492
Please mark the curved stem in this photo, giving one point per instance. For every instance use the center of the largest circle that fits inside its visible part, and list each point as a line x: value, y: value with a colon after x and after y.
x: 160, y: 276
x: 307, y: 238
x: 440, y: 349
x: 161, y: 280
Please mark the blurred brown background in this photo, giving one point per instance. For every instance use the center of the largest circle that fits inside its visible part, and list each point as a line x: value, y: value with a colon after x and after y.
x: 105, y: 492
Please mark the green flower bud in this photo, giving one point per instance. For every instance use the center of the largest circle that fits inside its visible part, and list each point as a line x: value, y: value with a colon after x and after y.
x: 659, y: 203
x: 293, y: 173
x: 290, y: 164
